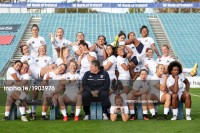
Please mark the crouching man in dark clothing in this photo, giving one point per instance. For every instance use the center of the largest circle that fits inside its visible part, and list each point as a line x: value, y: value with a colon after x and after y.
x: 96, y: 83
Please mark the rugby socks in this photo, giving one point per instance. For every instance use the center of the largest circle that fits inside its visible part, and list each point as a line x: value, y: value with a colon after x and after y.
x: 77, y: 112
x: 7, y: 113
x: 175, y: 111
x: 44, y: 113
x: 166, y: 110
x: 28, y: 111
x: 144, y: 112
x: 22, y: 110
x: 132, y: 112
x: 64, y: 112
x: 152, y: 111
x: 188, y: 110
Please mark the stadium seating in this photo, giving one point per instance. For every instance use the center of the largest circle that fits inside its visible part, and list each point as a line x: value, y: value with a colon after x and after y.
x: 92, y: 25
x: 184, y: 38
x: 182, y: 30
x: 7, y: 51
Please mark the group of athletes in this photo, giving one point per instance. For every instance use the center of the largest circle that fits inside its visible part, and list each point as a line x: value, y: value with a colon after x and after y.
x: 125, y: 61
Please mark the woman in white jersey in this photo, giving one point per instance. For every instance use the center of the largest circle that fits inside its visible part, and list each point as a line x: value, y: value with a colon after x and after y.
x: 65, y: 55
x: 147, y: 41
x: 35, y: 41
x: 25, y: 50
x: 99, y: 47
x: 72, y: 91
x: 136, y: 58
x: 109, y: 63
x: 123, y: 64
x: 160, y: 80
x: 75, y: 45
x: 149, y: 62
x: 85, y: 58
x: 118, y: 109
x: 50, y: 95
x: 12, y: 77
x: 178, y: 86
x: 42, y: 60
x: 166, y: 59
x: 58, y: 42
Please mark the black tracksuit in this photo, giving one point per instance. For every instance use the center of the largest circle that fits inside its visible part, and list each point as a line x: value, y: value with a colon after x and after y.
x: 91, y: 82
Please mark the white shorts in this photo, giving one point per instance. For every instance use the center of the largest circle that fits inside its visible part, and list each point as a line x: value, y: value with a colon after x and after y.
x: 179, y: 96
x: 112, y: 109
x: 161, y: 94
x: 35, y: 71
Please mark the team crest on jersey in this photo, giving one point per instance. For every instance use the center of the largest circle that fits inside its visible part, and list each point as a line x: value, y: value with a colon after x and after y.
x: 167, y: 61
x: 101, y: 76
x: 41, y: 41
x: 159, y: 60
x: 90, y: 76
x: 36, y: 60
x: 45, y: 61
x: 68, y: 78
x: 33, y: 42
x: 28, y: 58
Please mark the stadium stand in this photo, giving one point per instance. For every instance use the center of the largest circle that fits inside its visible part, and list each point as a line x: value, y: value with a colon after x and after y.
x: 183, y: 38
x: 7, y: 51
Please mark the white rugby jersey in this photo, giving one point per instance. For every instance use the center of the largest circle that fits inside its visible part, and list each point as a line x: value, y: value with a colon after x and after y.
x: 35, y: 43
x: 165, y: 60
x: 111, y: 71
x: 147, y: 41
x: 58, y: 44
x: 11, y: 71
x: 85, y: 64
x: 123, y: 74
x: 76, y: 47
x: 30, y: 60
x: 43, y: 61
x: 181, y: 84
x: 151, y: 65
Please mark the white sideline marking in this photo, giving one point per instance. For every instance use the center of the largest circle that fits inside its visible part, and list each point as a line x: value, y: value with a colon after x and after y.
x: 194, y: 95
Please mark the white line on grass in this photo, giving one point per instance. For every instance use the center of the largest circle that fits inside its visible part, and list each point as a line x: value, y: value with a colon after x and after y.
x: 194, y: 95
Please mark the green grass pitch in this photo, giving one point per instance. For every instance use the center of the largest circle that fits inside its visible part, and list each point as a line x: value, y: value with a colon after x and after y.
x: 97, y: 126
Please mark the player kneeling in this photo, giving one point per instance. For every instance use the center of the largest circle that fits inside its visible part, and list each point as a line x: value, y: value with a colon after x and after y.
x: 72, y: 93
x: 119, y: 108
x: 178, y: 86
